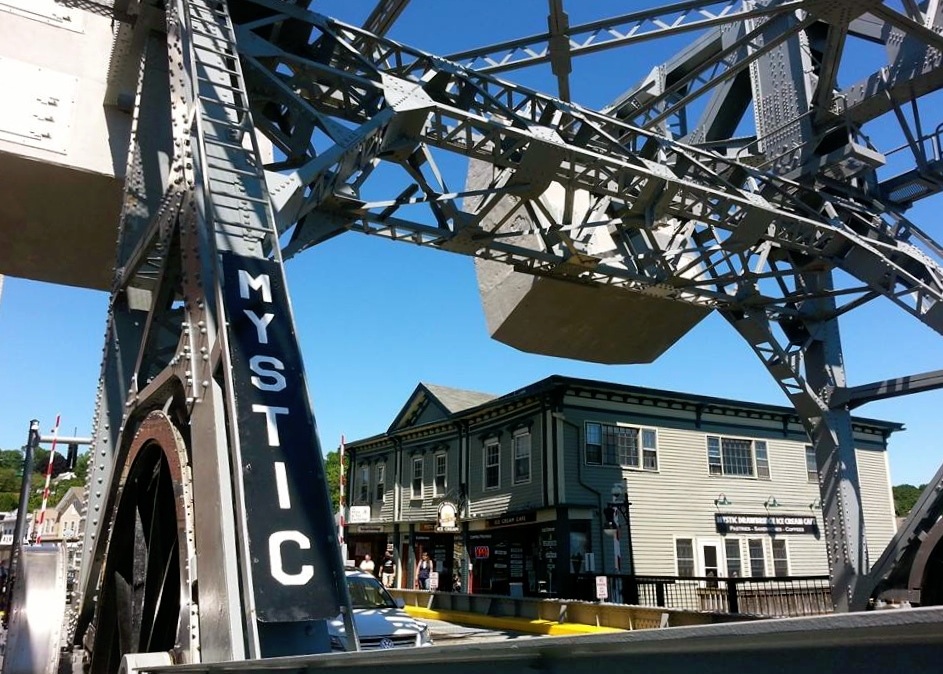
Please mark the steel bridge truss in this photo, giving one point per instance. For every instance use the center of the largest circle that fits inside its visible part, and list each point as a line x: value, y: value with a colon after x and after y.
x: 782, y: 233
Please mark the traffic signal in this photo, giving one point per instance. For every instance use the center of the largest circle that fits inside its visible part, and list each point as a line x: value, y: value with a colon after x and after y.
x: 72, y: 456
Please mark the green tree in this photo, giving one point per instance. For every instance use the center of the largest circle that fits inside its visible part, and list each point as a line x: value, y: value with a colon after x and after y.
x: 11, y: 471
x: 41, y: 462
x: 12, y: 459
x: 332, y: 468
x: 11, y: 476
x: 905, y: 497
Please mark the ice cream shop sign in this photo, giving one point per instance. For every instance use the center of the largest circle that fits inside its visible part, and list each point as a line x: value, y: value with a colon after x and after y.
x: 733, y: 523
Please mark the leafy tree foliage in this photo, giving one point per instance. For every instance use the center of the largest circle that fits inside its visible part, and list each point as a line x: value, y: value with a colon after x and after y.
x: 41, y: 462
x: 905, y: 497
x: 332, y: 469
x: 11, y: 459
x: 11, y: 472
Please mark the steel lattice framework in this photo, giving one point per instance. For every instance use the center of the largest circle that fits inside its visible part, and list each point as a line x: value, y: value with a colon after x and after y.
x: 782, y: 231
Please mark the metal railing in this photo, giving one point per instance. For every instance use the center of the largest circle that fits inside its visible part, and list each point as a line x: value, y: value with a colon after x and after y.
x: 783, y: 596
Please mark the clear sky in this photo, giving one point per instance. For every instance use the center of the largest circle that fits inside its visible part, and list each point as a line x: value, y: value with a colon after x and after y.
x: 375, y: 318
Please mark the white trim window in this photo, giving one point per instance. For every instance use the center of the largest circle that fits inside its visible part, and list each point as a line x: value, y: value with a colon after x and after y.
x: 780, y: 557
x: 491, y: 464
x: 441, y: 472
x: 621, y: 445
x: 684, y: 557
x: 415, y: 489
x: 380, y: 482
x: 811, y: 464
x: 364, y: 483
x: 737, y: 457
x: 757, y: 557
x: 520, y: 444
x: 734, y: 561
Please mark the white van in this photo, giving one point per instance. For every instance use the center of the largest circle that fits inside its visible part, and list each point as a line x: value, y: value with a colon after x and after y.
x: 380, y: 620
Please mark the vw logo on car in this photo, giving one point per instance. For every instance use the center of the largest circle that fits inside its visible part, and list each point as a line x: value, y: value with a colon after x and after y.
x: 380, y: 620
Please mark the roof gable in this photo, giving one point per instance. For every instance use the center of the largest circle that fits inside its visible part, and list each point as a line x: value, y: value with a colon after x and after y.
x: 430, y: 403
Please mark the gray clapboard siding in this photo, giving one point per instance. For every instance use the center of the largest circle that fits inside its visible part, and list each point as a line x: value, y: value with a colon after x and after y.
x: 508, y: 497
x: 877, y: 501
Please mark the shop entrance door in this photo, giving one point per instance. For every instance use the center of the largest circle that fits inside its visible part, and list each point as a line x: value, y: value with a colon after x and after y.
x: 709, y: 559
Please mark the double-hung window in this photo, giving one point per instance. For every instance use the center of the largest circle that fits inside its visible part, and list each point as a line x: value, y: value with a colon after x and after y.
x: 618, y: 445
x: 521, y: 444
x: 441, y: 470
x: 757, y: 557
x: 492, y: 464
x: 734, y: 564
x: 780, y: 558
x: 364, y: 483
x: 811, y: 465
x: 381, y: 481
x: 416, y: 488
x: 738, y: 457
x: 684, y: 554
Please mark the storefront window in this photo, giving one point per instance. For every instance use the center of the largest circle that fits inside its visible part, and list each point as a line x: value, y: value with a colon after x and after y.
x: 780, y: 558
x: 684, y: 551
x: 757, y: 557
x: 734, y: 563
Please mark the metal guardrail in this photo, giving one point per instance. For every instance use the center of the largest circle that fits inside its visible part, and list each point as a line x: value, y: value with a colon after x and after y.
x: 773, y: 597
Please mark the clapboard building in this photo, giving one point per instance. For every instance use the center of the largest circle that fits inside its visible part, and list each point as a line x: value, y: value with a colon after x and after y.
x: 512, y: 492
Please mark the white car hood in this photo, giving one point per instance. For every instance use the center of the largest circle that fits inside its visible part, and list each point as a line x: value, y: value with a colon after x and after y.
x: 378, y: 622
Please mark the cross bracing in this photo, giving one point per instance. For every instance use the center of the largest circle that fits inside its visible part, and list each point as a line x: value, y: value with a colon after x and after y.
x: 738, y: 177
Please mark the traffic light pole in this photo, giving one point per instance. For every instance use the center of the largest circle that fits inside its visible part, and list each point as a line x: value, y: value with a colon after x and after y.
x: 32, y: 442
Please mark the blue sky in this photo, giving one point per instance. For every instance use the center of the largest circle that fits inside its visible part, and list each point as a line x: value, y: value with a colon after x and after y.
x: 374, y: 317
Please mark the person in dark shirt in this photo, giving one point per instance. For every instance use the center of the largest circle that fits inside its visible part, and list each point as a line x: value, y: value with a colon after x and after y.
x: 388, y: 570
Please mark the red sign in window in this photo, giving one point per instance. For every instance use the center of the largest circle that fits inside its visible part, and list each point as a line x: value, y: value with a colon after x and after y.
x: 482, y: 552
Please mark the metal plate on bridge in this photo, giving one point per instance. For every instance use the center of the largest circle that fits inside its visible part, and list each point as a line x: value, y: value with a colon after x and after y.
x: 292, y: 545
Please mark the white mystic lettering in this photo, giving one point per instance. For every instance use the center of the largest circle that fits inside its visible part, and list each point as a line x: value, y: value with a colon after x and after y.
x: 261, y: 324
x: 281, y: 485
x: 262, y: 283
x: 270, y: 423
x: 274, y: 381
x: 275, y: 542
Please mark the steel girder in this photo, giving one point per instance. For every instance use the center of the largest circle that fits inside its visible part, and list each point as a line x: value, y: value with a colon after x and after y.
x: 666, y: 219
x: 200, y: 333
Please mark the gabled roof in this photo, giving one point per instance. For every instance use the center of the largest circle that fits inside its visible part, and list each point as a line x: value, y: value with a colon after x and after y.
x: 429, y: 403
x: 73, y: 495
x: 456, y: 399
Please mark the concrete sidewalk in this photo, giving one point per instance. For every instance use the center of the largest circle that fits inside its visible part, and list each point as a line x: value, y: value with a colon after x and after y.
x: 546, y: 627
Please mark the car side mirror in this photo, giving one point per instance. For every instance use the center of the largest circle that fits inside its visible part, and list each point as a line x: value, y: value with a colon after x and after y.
x: 400, y: 603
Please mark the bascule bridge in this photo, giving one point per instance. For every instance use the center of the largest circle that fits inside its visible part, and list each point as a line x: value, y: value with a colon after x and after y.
x: 195, y: 144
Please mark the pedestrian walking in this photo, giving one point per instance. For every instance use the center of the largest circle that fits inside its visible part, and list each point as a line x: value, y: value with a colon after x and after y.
x: 388, y: 570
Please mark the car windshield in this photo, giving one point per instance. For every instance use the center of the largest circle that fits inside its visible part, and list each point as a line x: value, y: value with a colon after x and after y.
x: 368, y: 593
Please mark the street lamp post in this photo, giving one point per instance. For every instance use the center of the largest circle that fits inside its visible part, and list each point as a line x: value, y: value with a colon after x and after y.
x: 620, y: 504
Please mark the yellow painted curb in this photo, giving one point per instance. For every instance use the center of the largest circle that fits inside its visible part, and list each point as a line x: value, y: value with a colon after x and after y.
x: 548, y: 627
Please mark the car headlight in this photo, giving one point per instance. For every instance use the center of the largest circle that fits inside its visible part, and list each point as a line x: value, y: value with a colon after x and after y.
x: 338, y: 643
